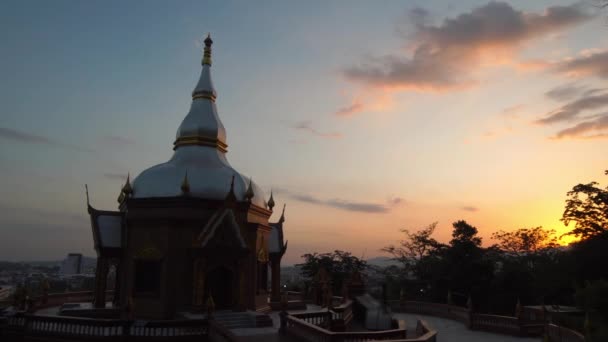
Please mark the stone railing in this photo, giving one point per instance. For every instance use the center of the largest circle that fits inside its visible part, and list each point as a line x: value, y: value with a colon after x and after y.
x: 491, y: 323
x: 495, y: 323
x: 58, y: 328
x: 320, y: 318
x: 556, y: 333
x: 57, y: 299
x: 342, y: 315
x: 300, y: 328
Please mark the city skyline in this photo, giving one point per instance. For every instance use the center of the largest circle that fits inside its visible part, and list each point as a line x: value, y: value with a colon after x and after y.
x: 361, y: 129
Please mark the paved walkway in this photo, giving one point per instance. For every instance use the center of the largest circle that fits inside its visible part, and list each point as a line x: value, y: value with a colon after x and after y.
x: 452, y: 331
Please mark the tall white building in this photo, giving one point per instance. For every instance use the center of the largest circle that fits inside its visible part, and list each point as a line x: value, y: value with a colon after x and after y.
x: 72, y: 264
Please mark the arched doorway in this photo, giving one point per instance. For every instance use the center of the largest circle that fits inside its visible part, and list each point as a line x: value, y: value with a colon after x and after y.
x: 219, y: 285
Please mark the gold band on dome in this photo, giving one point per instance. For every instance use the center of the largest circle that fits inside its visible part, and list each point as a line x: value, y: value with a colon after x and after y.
x: 200, y: 141
x: 204, y: 95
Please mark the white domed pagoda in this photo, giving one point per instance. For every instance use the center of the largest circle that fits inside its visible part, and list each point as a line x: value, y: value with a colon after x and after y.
x: 200, y: 153
x: 192, y: 229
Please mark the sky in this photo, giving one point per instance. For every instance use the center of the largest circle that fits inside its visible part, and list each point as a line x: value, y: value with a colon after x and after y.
x: 364, y: 117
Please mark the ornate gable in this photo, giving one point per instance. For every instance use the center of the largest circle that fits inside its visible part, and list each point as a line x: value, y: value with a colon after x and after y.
x: 221, y: 232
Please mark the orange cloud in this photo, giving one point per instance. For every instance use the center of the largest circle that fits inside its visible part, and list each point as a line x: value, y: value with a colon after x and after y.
x: 446, y: 56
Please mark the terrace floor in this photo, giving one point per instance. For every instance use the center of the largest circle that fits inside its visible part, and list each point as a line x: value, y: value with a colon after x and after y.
x: 453, y: 331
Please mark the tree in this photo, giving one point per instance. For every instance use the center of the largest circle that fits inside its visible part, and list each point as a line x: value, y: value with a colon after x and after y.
x: 414, y: 247
x: 464, y: 235
x: 339, y: 264
x: 587, y: 206
x: 526, y: 241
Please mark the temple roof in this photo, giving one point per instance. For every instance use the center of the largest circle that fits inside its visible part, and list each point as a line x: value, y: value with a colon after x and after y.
x: 276, y: 242
x: 200, y: 152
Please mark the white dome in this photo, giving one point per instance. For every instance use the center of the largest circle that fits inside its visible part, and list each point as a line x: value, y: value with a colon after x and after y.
x: 209, y: 177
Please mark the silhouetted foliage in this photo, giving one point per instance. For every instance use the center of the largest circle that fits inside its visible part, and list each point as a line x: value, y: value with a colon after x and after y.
x: 339, y: 264
x: 526, y: 241
x: 415, y: 247
x: 587, y: 206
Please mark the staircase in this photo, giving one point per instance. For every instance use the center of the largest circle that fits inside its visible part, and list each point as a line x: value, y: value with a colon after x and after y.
x: 247, y: 319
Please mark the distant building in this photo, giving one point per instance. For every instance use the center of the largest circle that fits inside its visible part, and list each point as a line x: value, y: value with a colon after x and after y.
x: 71, y: 265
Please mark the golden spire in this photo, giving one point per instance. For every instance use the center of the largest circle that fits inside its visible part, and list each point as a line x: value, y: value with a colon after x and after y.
x: 207, y: 50
x: 271, y: 201
x: 185, y: 184
x: 249, y: 193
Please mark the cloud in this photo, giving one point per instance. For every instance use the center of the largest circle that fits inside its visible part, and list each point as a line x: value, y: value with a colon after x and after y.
x: 593, y: 63
x: 592, y: 129
x: 342, y: 204
x: 513, y: 111
x: 395, y: 200
x: 351, y: 109
x: 573, y: 109
x: 14, y: 135
x: 115, y: 176
x: 565, y: 92
x: 117, y: 140
x: 306, y: 126
x: 446, y: 56
x: 470, y: 208
x: 28, y: 138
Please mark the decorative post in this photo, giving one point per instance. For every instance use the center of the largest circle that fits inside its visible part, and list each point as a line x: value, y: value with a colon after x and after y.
x: 283, y: 318
x: 470, y: 311
x: 449, y: 300
x: 210, y: 307
x: 587, y: 327
x: 518, y: 309
x: 402, y: 299
x: 518, y: 315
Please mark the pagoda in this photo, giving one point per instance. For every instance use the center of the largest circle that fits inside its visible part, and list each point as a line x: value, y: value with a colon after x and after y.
x: 192, y: 230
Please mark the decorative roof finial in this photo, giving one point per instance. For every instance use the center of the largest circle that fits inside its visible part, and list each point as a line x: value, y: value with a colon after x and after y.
x: 231, y: 197
x: 86, y: 190
x: 185, y: 184
x: 207, y: 50
x: 271, y: 201
x: 127, y: 189
x: 249, y: 193
x: 282, y: 219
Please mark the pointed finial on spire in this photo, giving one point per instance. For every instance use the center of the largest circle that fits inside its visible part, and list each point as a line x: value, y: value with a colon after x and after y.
x: 271, y: 201
x: 249, y: 193
x: 86, y: 190
x: 207, y: 50
x: 282, y: 219
x: 185, y: 184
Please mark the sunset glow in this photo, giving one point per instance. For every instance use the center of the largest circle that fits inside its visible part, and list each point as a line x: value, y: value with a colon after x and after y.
x: 363, y: 119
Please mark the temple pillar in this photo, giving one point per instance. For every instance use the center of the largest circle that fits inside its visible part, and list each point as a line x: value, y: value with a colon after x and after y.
x: 275, y: 264
x: 101, y: 278
x: 117, y: 283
